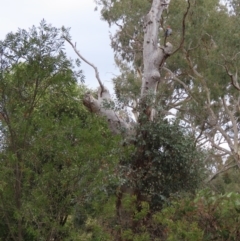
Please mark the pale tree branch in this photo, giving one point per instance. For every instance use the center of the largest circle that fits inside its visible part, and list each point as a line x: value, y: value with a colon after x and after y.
x: 222, y: 149
x: 227, y: 139
x: 174, y: 77
x: 234, y: 78
x: 234, y: 124
x: 224, y: 169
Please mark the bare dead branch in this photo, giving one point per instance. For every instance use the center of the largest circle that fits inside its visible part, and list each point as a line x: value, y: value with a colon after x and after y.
x: 87, y: 62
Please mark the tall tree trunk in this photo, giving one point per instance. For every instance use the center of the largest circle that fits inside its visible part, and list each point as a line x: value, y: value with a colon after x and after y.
x: 153, y: 55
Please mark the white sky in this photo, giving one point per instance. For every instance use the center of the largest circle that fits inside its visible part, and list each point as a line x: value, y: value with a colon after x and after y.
x: 87, y: 29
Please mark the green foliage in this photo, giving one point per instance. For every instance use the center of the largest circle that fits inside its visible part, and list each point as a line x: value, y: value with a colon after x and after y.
x: 54, y: 154
x: 127, y: 85
x: 177, y: 223
x: 140, y: 215
x: 128, y: 202
x: 129, y: 14
x: 165, y: 161
x: 58, y: 169
x: 208, y: 217
x: 96, y: 232
x: 128, y: 235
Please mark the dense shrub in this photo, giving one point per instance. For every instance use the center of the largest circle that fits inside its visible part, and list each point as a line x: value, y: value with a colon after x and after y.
x: 207, y: 217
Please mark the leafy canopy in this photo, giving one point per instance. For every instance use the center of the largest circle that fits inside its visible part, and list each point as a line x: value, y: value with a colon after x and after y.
x: 53, y: 152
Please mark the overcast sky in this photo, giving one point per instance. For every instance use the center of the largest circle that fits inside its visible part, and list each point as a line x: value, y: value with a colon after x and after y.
x: 87, y: 29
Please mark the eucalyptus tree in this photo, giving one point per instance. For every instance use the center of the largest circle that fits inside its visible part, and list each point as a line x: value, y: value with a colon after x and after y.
x: 191, y: 75
x: 163, y: 158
